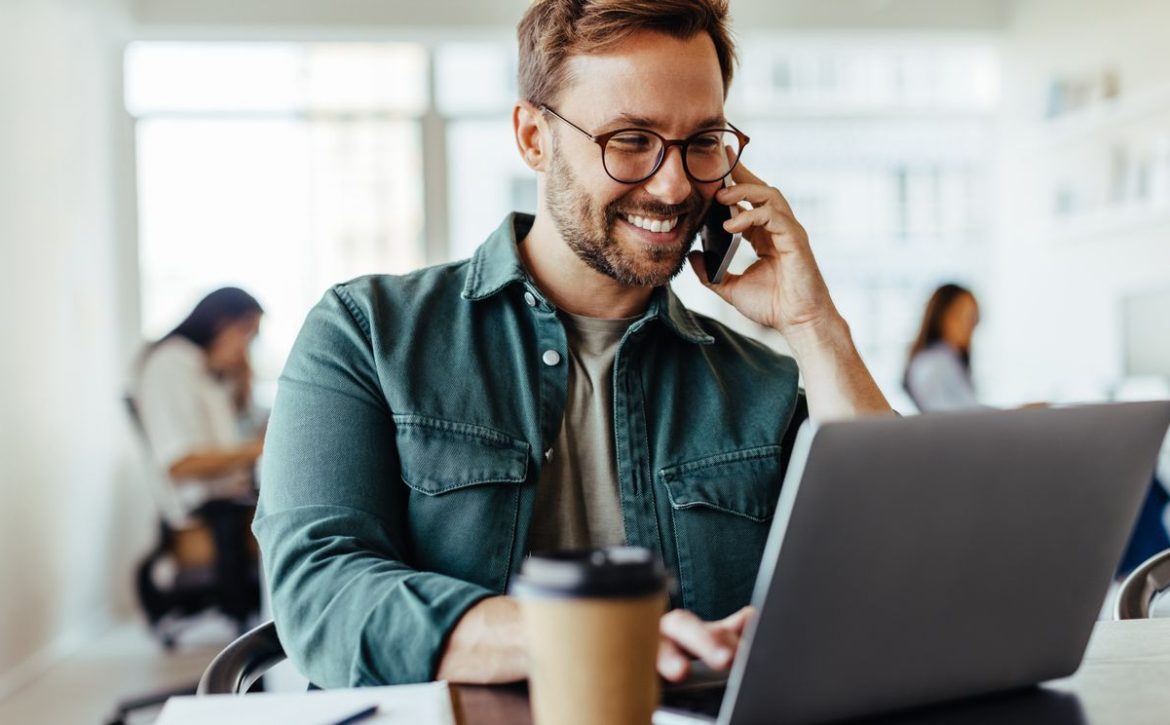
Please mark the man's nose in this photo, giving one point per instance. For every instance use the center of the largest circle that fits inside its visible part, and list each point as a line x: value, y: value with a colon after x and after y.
x: 670, y: 183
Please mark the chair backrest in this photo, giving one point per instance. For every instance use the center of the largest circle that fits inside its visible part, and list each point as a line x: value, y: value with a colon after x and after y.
x: 162, y: 490
x: 241, y: 663
x: 1141, y: 586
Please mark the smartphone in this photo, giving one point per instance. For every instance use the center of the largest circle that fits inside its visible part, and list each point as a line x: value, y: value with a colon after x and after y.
x: 719, y: 245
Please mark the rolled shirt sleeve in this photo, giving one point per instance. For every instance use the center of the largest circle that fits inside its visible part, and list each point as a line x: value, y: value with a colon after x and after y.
x: 350, y: 608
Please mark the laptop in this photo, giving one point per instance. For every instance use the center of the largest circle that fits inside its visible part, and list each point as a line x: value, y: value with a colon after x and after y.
x: 919, y: 560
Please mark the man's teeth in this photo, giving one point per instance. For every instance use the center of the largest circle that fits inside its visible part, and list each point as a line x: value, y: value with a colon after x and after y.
x: 653, y: 225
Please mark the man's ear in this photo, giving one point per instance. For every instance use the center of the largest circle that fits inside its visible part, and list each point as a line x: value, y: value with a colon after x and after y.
x: 528, y: 126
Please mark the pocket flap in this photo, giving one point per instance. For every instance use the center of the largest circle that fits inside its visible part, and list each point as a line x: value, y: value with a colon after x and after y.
x: 744, y: 482
x: 439, y: 455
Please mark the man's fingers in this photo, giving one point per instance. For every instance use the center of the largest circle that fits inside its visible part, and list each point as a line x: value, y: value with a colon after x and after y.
x: 673, y: 664
x: 742, y: 175
x: 779, y: 233
x: 692, y: 634
x: 786, y: 234
x: 738, y: 621
x: 756, y: 193
x: 761, y: 216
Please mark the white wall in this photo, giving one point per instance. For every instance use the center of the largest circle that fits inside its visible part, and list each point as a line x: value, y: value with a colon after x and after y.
x: 71, y: 520
x: 1053, y: 327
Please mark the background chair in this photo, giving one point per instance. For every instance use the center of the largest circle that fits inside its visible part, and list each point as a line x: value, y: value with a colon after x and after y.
x: 182, y: 574
x: 242, y: 663
x: 1149, y: 532
x: 179, y: 577
x: 1139, y: 589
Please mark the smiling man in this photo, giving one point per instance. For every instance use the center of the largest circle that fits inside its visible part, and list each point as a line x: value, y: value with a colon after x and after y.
x: 551, y: 392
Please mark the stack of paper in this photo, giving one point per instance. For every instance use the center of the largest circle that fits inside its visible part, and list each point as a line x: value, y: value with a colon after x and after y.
x: 426, y: 704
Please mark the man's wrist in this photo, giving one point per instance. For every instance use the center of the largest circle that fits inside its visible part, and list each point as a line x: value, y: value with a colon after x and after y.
x: 486, y: 645
x: 836, y: 381
x: 830, y: 332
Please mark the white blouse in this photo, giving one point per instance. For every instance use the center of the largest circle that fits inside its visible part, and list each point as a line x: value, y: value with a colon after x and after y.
x: 184, y: 410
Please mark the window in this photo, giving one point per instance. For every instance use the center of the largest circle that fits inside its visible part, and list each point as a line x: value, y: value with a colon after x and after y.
x: 475, y: 90
x: 281, y: 168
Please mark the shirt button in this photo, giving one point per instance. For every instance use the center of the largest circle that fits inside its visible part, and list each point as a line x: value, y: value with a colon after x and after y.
x: 530, y: 299
x: 551, y: 357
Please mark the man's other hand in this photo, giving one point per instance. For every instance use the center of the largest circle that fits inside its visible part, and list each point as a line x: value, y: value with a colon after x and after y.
x: 683, y: 637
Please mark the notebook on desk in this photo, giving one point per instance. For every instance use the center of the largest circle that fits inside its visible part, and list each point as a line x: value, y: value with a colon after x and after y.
x: 921, y: 560
x: 397, y: 705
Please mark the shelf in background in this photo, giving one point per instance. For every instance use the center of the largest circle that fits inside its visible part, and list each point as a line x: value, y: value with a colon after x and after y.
x: 1110, y: 222
x: 1106, y: 116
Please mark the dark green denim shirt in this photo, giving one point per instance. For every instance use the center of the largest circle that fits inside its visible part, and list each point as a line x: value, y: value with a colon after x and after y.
x: 408, y: 434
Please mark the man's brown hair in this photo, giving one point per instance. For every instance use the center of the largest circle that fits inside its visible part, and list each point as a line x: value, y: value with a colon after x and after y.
x: 552, y: 30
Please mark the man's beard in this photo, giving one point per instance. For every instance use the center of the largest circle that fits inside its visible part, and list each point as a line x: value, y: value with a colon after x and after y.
x: 589, y: 232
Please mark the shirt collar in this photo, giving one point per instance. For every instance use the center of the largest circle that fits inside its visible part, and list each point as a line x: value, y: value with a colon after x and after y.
x: 666, y: 305
x: 496, y: 265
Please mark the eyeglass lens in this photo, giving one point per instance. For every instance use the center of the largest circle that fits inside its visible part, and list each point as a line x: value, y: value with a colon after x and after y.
x: 634, y: 155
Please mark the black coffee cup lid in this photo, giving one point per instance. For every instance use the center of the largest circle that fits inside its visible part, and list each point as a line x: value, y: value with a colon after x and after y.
x: 615, y: 571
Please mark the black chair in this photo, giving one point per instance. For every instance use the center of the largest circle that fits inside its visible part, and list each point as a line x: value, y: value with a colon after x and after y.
x: 193, y: 589
x: 237, y: 669
x: 1143, y: 584
x: 197, y: 588
x: 241, y: 664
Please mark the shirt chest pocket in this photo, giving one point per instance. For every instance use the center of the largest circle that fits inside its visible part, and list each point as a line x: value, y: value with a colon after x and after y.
x: 722, y: 507
x: 464, y: 485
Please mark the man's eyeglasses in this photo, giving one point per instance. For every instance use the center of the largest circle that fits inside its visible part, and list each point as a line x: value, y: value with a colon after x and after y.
x: 632, y: 155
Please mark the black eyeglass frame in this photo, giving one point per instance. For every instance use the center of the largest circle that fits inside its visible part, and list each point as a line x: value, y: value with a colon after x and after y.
x: 602, y: 139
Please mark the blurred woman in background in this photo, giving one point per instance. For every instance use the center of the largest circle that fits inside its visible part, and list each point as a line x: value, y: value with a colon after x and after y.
x: 193, y: 396
x: 938, y: 373
x: 193, y: 400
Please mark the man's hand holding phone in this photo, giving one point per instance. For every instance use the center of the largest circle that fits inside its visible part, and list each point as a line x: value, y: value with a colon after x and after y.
x: 784, y: 288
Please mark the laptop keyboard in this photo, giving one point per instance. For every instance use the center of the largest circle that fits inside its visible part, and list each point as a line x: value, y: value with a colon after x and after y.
x: 705, y: 701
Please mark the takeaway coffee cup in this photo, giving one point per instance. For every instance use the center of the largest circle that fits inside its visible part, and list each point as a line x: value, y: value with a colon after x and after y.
x: 591, y: 621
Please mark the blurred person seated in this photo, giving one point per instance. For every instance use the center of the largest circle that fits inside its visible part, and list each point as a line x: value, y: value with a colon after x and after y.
x: 938, y: 374
x: 193, y: 399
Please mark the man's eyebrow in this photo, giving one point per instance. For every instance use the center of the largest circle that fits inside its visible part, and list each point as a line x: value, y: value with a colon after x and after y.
x: 632, y: 119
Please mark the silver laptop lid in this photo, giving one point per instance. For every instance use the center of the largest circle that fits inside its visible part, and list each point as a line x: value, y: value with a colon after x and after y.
x: 917, y: 560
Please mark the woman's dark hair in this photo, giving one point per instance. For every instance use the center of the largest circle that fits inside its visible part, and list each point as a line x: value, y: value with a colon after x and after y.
x: 215, y: 311
x: 931, y: 330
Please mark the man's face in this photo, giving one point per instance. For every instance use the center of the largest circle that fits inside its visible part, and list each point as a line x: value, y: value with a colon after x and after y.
x: 673, y: 87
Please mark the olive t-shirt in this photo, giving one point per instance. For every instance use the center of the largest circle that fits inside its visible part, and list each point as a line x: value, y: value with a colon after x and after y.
x: 578, y: 503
